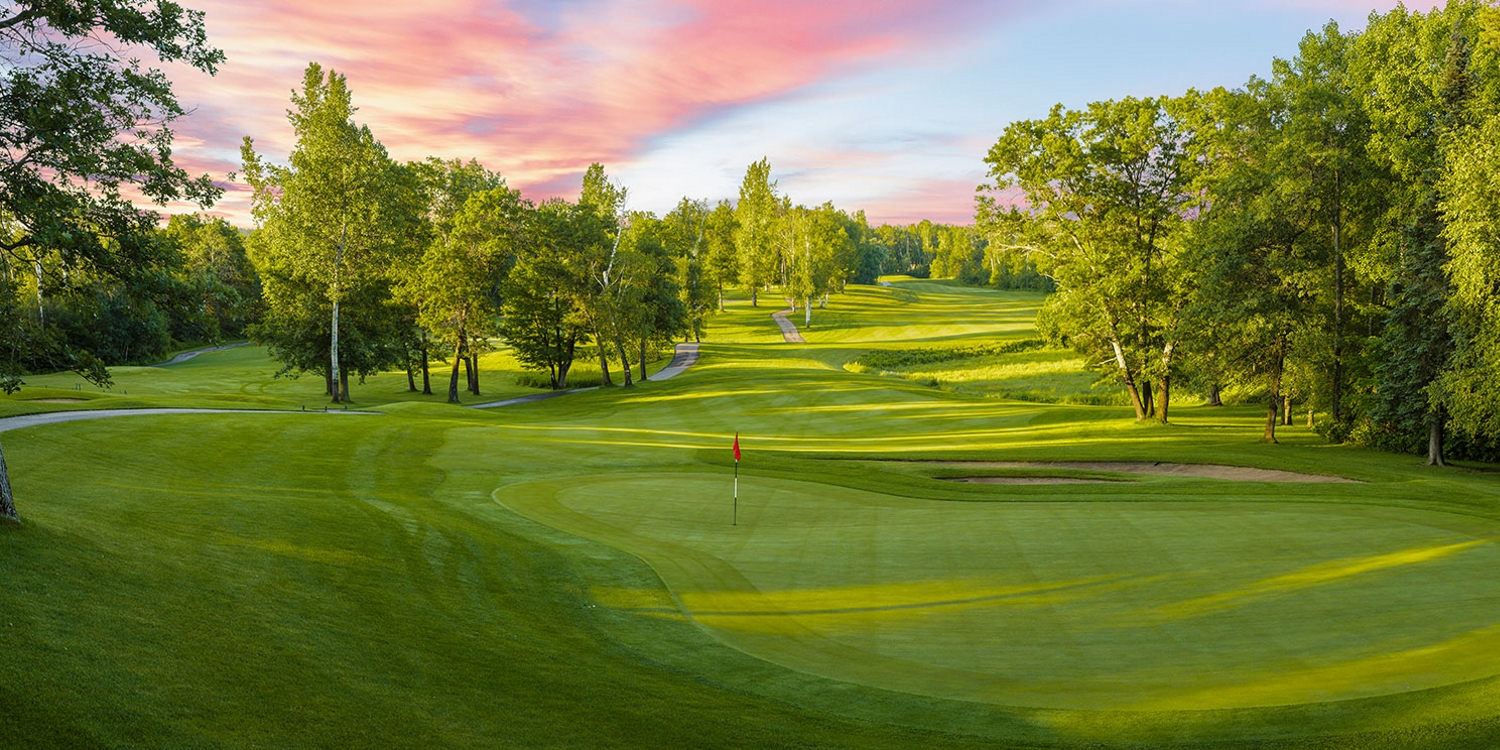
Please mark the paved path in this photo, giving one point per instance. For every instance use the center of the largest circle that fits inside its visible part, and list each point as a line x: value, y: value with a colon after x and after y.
x: 529, y: 398
x: 53, y: 417
x: 788, y: 328
x: 683, y: 357
x: 185, y: 356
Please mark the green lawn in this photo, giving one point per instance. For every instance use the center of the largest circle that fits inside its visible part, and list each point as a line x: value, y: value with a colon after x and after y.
x: 563, y: 573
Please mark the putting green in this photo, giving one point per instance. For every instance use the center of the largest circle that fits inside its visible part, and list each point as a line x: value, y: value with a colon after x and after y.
x: 1099, y: 605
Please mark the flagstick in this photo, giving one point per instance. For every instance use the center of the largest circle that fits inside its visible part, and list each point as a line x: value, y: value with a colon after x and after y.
x: 736, y: 494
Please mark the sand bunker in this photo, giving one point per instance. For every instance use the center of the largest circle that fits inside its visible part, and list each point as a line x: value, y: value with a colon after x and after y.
x: 1205, y: 471
x: 56, y: 400
x: 1030, y: 480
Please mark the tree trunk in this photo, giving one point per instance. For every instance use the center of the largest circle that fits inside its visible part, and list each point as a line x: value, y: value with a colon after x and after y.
x: 753, y: 297
x: 1164, y: 388
x: 807, y: 309
x: 624, y: 361
x: 1163, y: 398
x: 7, y: 500
x: 1275, y: 400
x: 458, y: 359
x: 1148, y: 401
x: 1129, y: 380
x: 426, y: 375
x: 721, y: 297
x: 333, y: 354
x: 344, y: 385
x: 1213, y: 395
x: 603, y: 359
x: 1286, y: 410
x: 643, y: 358
x: 474, y: 374
x: 328, y: 383
x: 411, y: 373
x: 1435, y: 439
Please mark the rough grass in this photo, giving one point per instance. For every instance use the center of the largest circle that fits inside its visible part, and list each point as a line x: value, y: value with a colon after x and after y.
x: 298, y: 580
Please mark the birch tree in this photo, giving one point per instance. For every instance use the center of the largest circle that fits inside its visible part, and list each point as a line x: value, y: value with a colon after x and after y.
x: 341, y: 210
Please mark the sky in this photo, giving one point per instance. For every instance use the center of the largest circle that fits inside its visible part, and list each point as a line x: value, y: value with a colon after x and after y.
x: 885, y: 106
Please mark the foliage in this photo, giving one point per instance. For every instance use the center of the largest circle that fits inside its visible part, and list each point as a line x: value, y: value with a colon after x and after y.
x: 332, y: 224
x: 1107, y: 190
x: 84, y: 123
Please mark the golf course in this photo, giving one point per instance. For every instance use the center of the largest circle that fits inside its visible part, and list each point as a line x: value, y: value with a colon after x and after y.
x: 987, y: 550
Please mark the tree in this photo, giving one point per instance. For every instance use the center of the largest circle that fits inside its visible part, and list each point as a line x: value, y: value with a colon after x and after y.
x: 217, y: 273
x: 82, y: 121
x: 543, y: 321
x: 1423, y: 85
x: 458, y: 283
x: 684, y: 236
x: 723, y: 266
x: 447, y: 186
x: 609, y: 294
x: 755, y: 218
x: 1257, y: 273
x: 342, y: 211
x: 1471, y: 209
x: 1107, y: 190
x: 1323, y: 174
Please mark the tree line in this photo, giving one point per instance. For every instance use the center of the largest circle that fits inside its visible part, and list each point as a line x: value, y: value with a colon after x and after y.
x: 1324, y: 237
x: 367, y: 264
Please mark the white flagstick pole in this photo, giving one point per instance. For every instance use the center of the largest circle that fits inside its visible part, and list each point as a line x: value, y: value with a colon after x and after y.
x: 736, y: 493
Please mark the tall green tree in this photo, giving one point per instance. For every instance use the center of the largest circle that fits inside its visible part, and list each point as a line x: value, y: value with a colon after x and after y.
x: 755, y: 229
x: 543, y: 320
x: 1422, y: 84
x: 685, y: 237
x: 1107, y: 191
x: 458, y: 282
x: 1471, y: 209
x: 609, y: 293
x: 723, y: 259
x: 342, y: 211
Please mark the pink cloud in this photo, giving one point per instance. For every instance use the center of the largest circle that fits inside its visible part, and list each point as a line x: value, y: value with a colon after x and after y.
x: 943, y: 201
x: 536, y: 93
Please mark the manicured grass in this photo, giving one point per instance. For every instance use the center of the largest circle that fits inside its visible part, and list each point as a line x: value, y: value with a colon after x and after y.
x: 437, y: 576
x: 1135, y: 605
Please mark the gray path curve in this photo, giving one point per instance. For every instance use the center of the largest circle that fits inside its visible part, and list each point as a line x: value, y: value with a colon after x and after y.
x: 53, y: 417
x: 185, y: 356
x: 683, y: 357
x: 788, y: 328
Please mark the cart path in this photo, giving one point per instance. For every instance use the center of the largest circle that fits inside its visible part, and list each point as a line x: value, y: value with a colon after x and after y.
x: 788, y: 328
x: 185, y: 356
x: 683, y: 357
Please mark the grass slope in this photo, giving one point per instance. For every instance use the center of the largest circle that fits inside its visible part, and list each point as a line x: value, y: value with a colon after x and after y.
x: 298, y: 580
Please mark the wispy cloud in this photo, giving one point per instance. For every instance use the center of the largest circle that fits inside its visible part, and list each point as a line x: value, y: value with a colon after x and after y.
x: 535, y: 90
x: 875, y: 104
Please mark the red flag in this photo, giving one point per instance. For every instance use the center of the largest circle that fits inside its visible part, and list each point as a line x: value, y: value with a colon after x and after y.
x: 736, y: 447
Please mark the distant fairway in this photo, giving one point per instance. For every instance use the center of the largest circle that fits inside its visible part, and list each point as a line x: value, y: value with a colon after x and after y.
x: 1059, y: 605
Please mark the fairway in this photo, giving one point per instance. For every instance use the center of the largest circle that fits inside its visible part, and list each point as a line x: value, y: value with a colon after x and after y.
x: 1142, y: 606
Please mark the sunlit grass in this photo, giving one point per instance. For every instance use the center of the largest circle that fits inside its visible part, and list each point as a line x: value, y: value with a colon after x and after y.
x: 304, y: 581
